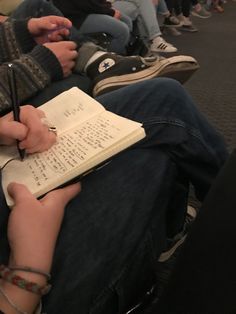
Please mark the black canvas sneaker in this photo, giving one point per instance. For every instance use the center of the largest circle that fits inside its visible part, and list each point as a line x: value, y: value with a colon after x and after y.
x: 111, y: 71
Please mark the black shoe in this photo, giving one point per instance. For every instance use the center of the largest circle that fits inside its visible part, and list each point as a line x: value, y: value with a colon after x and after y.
x: 111, y: 71
x: 168, y: 258
x: 171, y: 21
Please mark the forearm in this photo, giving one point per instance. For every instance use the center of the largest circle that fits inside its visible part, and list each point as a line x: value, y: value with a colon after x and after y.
x: 34, y: 71
x: 24, y: 300
x: 15, y: 40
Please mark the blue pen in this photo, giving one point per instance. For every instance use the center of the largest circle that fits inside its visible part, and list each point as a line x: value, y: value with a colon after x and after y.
x: 15, y: 102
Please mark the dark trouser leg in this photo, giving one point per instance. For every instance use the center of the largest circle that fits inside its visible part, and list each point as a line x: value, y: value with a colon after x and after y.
x: 35, y: 8
x: 204, y: 280
x: 116, y: 223
x: 58, y: 87
x: 174, y: 124
x: 186, y: 5
x: 111, y: 235
x: 119, y: 220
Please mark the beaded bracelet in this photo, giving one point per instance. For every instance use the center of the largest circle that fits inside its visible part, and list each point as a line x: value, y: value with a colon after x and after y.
x: 9, y: 276
x: 10, y: 302
x: 31, y: 270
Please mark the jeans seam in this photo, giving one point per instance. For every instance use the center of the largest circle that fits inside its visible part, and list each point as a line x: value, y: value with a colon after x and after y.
x: 192, y: 131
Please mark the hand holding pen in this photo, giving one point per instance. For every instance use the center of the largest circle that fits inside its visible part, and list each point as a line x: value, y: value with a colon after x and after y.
x: 34, y: 132
x: 15, y: 102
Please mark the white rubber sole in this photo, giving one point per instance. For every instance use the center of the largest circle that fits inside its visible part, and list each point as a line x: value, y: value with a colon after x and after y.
x: 185, y: 67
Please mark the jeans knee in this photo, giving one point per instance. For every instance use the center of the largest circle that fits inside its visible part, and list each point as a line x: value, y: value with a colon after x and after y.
x: 168, y: 84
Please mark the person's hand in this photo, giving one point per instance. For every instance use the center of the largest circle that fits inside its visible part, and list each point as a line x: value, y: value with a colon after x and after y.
x: 117, y: 14
x: 33, y: 135
x: 155, y: 2
x: 34, y: 225
x: 3, y: 18
x: 66, y: 54
x: 49, y: 28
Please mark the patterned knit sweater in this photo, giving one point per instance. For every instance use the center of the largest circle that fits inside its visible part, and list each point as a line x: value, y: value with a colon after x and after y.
x: 35, y: 65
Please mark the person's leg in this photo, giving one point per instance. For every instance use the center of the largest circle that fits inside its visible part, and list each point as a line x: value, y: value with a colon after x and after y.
x: 186, y: 5
x: 144, y: 13
x: 194, y: 2
x: 184, y: 17
x: 204, y: 278
x: 127, y: 8
x: 178, y: 8
x: 126, y: 71
x: 114, y: 229
x: 119, y: 31
x: 169, y: 20
x: 162, y: 8
x: 174, y: 124
x: 170, y: 5
x: 35, y: 8
x: 147, y: 19
x: 55, y: 88
x: 108, y: 227
x: 149, y: 28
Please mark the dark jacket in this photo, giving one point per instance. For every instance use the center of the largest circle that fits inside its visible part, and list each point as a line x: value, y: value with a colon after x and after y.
x: 78, y: 10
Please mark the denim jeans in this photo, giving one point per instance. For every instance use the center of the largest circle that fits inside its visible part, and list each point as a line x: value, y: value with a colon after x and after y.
x: 102, y: 23
x: 161, y: 7
x: 39, y: 8
x: 95, y: 23
x: 35, y: 8
x: 144, y: 12
x: 205, y: 271
x: 182, y: 7
x: 114, y: 231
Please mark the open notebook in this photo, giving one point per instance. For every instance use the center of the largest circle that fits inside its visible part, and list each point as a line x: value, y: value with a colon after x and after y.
x: 88, y: 135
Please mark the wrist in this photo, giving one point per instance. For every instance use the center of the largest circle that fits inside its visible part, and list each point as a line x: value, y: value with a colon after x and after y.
x: 22, y: 299
x: 39, y: 286
x: 32, y: 277
x: 23, y: 36
x: 48, y: 61
x: 34, y: 263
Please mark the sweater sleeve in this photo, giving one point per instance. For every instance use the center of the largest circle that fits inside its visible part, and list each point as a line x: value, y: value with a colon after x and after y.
x: 33, y: 70
x: 15, y: 39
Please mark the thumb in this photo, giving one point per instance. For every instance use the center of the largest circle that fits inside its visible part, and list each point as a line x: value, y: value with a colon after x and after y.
x: 19, y: 192
x: 60, y: 197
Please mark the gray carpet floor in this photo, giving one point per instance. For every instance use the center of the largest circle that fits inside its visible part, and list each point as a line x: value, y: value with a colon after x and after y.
x: 213, y: 86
